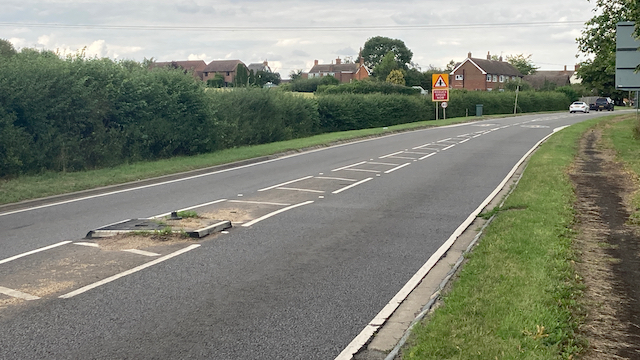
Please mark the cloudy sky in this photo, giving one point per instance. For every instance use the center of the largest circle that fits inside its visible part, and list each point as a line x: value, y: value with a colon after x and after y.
x: 292, y: 34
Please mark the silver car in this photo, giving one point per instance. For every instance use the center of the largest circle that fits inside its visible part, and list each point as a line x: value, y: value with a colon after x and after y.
x: 579, y: 106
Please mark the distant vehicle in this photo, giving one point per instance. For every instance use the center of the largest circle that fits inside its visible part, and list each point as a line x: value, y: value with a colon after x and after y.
x: 579, y: 106
x: 603, y: 104
x: 422, y: 91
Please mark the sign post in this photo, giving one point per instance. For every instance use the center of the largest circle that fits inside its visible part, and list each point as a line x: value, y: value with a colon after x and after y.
x: 444, y: 109
x: 440, y: 90
x: 627, y: 59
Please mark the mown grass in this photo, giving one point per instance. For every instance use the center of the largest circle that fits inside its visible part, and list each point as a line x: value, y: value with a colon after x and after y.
x: 517, y: 297
x: 47, y: 184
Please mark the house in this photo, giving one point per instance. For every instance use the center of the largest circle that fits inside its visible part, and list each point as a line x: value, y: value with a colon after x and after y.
x: 481, y: 74
x: 343, y: 72
x: 263, y: 66
x: 196, y: 67
x: 558, y: 78
x: 226, y: 69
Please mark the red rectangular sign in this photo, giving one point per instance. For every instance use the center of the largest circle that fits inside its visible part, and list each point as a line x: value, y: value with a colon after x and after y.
x: 440, y: 95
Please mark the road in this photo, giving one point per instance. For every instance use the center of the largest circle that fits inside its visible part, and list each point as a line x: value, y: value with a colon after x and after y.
x: 321, y: 242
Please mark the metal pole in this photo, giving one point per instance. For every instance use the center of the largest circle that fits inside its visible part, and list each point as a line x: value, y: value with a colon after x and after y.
x: 444, y: 113
x: 436, y: 110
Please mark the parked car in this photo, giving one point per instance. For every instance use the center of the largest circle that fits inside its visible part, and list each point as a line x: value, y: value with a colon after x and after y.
x: 603, y: 104
x: 579, y: 106
x: 422, y: 91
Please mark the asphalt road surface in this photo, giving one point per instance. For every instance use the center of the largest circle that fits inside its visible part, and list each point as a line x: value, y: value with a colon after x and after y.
x: 321, y: 242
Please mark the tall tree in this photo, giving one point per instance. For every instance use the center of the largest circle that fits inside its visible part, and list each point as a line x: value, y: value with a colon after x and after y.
x: 522, y: 63
x: 599, y: 39
x: 376, y: 48
x: 386, y: 66
x: 6, y: 48
x: 396, y: 77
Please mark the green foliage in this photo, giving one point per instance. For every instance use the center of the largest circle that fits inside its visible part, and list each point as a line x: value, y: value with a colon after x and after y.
x: 386, y: 66
x: 377, y: 48
x: 264, y: 77
x: 242, y: 76
x: 311, y: 85
x: 518, y: 83
x: 495, y: 102
x: 522, y: 63
x: 6, y: 48
x: 188, y: 214
x: 599, y: 40
x: 367, y: 87
x: 396, y: 77
x: 295, y: 74
x: 355, y: 111
x: 216, y: 82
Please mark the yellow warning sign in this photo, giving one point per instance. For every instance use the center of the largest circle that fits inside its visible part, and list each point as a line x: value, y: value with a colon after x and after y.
x: 440, y: 81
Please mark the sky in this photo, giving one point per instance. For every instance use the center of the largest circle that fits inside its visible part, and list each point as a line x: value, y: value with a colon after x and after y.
x: 290, y: 35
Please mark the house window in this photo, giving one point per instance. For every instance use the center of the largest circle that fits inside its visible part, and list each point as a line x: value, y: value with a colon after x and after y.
x: 501, y: 78
x: 459, y: 77
x: 495, y: 78
x: 228, y: 73
x: 332, y: 74
x: 489, y: 77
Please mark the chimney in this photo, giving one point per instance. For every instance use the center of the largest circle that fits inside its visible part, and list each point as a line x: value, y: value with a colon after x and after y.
x: 565, y: 68
x: 265, y: 63
x: 315, y: 62
x: 469, y: 55
x: 577, y: 67
x: 488, y: 55
x: 500, y: 58
x: 338, y: 61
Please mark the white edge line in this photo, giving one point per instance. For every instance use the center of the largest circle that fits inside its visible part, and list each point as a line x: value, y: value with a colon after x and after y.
x: 186, y: 209
x: 285, y: 183
x: 17, y: 294
x: 352, y: 185
x: 128, y: 272
x: 34, y: 251
x: 348, y: 166
x: 370, y: 329
x: 395, y: 153
x: 430, y: 155
x: 254, y: 221
x: 396, y: 168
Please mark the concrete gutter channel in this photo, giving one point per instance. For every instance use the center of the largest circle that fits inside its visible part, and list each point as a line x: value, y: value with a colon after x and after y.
x: 391, y: 338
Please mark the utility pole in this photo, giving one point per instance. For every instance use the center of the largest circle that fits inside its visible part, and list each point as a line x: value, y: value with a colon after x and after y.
x: 515, y: 106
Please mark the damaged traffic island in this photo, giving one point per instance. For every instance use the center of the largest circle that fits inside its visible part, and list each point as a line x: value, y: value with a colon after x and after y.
x: 187, y: 223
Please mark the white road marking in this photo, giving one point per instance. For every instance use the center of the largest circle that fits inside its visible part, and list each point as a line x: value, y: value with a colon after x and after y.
x: 301, y: 190
x: 258, y: 202
x: 363, y: 170
x: 386, y: 156
x: 128, y: 272
x: 448, y: 147
x: 396, y: 168
x: 334, y: 178
x: 17, y: 294
x: 349, y: 166
x: 443, y: 140
x: 34, y: 251
x: 426, y: 156
x: 87, y: 244
x: 255, y: 221
x: 477, y: 136
x: 351, y: 186
x: 415, y: 152
x: 187, y: 209
x: 381, y: 163
x: 142, y: 252
x: 286, y: 183
x: 402, y: 157
x: 464, y: 141
x: 370, y: 329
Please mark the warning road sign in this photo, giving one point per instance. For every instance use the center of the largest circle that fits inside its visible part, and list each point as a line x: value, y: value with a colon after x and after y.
x: 440, y: 81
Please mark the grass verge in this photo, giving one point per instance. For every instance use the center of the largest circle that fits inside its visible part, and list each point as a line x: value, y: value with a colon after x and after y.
x: 517, y: 297
x: 38, y: 186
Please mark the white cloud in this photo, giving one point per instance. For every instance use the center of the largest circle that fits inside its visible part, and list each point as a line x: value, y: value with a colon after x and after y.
x: 197, y: 57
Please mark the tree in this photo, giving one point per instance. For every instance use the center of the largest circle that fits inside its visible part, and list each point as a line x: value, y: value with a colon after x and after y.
x: 450, y: 66
x: 263, y: 77
x: 599, y: 39
x: 396, y: 77
x: 376, y: 48
x: 295, y: 74
x: 386, y: 66
x: 242, y: 76
x: 522, y: 63
x: 6, y: 48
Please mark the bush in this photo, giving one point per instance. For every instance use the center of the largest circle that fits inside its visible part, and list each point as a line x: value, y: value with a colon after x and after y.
x: 311, y: 85
x: 367, y: 87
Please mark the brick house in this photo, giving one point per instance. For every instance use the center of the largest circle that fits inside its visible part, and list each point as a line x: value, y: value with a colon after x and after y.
x: 481, y: 74
x: 263, y: 66
x: 196, y: 67
x: 559, y: 78
x: 226, y: 68
x: 345, y: 73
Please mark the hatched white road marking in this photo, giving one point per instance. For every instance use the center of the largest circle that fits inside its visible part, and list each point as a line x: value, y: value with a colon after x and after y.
x: 34, y: 251
x: 396, y: 168
x: 349, y: 166
x: 255, y: 221
x: 87, y: 244
x: 17, y: 294
x: 286, y: 183
x: 142, y: 252
x: 351, y: 186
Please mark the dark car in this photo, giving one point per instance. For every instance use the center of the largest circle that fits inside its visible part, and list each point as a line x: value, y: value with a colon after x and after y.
x: 602, y: 104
